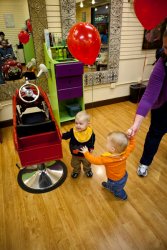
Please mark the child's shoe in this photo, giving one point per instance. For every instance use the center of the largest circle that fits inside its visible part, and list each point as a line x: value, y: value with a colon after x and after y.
x: 74, y: 175
x: 124, y: 197
x: 89, y: 173
x: 121, y: 195
x: 142, y: 170
x: 104, y: 184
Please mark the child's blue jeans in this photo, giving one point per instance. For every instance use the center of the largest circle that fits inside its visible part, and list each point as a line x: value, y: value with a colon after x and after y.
x: 116, y: 187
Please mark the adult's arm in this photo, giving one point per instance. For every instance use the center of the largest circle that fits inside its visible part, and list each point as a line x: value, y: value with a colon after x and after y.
x: 153, y: 89
x: 150, y: 96
x: 136, y: 125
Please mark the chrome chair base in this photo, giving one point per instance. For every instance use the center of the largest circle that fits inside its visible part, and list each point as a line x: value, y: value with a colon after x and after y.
x: 42, y: 178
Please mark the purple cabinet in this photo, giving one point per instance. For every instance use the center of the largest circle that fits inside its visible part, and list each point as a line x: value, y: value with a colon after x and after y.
x: 70, y: 69
x: 69, y: 93
x: 69, y: 80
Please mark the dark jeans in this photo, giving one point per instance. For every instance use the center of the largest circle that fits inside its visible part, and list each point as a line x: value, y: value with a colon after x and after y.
x: 158, y: 128
x: 117, y: 186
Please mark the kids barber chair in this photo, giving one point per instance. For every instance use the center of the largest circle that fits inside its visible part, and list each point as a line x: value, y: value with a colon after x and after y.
x: 37, y: 140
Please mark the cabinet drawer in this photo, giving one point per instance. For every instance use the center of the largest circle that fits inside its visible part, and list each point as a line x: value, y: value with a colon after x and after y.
x: 69, y: 93
x: 69, y: 82
x: 71, y: 69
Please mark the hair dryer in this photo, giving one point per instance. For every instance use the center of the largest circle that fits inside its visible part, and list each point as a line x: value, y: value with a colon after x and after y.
x: 42, y: 69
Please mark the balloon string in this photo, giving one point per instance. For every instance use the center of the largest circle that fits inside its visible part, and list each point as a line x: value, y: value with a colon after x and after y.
x: 92, y: 105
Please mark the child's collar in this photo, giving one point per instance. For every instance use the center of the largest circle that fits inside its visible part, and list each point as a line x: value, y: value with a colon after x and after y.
x: 83, y: 136
x: 108, y: 154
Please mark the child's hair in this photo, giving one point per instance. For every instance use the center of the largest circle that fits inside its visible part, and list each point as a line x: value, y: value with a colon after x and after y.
x: 83, y: 115
x: 2, y: 33
x: 119, y: 139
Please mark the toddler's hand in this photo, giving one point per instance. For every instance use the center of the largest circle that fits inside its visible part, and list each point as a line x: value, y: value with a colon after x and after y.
x: 83, y: 149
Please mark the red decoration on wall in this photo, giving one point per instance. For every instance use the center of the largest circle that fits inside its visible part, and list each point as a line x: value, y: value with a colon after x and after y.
x: 84, y: 42
x: 150, y: 12
x: 29, y: 26
x: 23, y: 36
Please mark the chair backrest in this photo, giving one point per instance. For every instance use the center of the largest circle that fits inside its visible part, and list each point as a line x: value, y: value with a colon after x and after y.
x: 36, y: 128
x: 33, y: 118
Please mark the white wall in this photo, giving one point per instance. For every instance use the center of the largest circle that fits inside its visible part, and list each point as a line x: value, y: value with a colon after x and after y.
x: 53, y: 16
x: 132, y: 57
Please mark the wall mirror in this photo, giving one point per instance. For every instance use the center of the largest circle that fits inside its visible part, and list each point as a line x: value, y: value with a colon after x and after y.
x: 13, y: 20
x: 38, y: 16
x: 97, y: 13
x: 71, y: 13
x: 13, y: 16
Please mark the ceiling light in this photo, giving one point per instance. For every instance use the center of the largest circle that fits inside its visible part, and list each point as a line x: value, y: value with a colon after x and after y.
x: 93, y: 1
x: 106, y: 6
x: 95, y: 9
x: 81, y: 4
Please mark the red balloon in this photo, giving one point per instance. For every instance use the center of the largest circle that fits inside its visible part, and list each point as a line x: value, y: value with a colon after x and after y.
x: 29, y: 26
x: 150, y: 12
x: 23, y: 36
x: 84, y: 42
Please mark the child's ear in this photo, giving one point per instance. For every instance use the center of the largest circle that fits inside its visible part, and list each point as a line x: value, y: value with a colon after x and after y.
x: 112, y: 149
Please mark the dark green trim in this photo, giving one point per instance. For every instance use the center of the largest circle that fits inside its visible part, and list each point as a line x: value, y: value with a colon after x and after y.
x: 7, y: 123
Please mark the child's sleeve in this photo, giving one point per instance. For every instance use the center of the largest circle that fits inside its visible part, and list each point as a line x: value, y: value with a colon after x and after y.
x: 92, y: 141
x: 67, y: 135
x: 131, y: 145
x: 97, y: 160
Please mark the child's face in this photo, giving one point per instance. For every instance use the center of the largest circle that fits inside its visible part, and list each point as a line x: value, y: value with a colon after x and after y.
x: 4, y: 44
x: 110, y: 146
x: 81, y: 124
x: 2, y: 37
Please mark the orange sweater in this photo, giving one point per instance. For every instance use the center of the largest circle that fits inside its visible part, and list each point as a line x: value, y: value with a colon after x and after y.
x: 115, y: 165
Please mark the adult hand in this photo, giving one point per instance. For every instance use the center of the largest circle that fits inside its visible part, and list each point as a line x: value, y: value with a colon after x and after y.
x: 132, y: 130
x: 136, y: 125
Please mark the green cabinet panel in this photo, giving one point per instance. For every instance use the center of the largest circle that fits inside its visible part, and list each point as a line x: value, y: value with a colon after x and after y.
x: 29, y: 51
x: 60, y: 104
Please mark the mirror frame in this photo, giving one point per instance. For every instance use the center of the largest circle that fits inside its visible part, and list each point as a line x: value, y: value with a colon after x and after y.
x: 38, y: 17
x: 68, y: 19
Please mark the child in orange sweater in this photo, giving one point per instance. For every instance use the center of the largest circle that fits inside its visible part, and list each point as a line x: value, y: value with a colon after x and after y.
x: 118, y: 149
